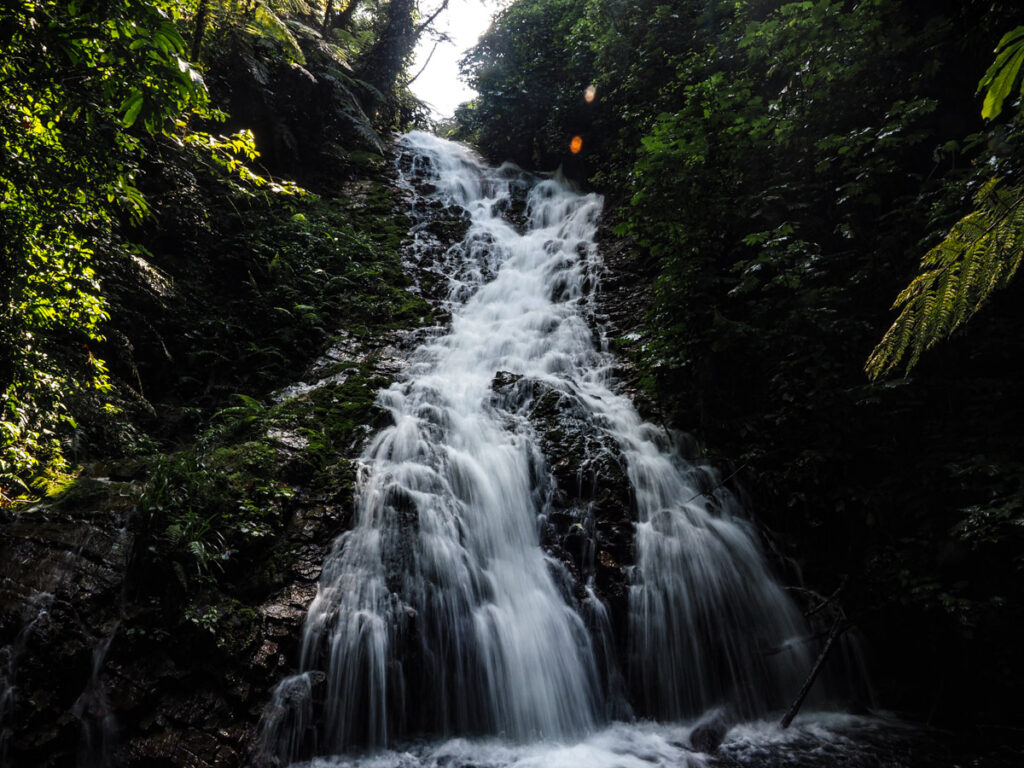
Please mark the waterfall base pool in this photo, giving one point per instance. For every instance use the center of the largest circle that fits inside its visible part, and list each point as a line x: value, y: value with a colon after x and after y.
x: 817, y: 740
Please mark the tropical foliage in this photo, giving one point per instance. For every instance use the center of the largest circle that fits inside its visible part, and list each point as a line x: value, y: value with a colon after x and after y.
x: 981, y: 253
x: 109, y: 123
x: 81, y: 84
x: 1002, y: 76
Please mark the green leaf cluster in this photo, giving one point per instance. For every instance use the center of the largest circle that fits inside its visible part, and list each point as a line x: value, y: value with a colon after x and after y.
x: 76, y: 81
x: 981, y: 253
x: 528, y: 86
x: 95, y: 96
x: 205, y: 509
x: 1002, y: 76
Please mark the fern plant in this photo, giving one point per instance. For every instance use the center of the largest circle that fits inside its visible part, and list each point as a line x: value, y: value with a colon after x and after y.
x: 191, y: 537
x: 260, y: 19
x: 981, y: 253
x: 266, y: 22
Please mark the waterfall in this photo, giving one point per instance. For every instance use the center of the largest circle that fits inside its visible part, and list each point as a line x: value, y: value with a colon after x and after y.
x: 439, y: 612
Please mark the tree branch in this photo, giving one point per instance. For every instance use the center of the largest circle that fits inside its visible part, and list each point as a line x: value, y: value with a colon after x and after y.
x: 839, y: 626
x: 411, y: 80
x: 430, y: 19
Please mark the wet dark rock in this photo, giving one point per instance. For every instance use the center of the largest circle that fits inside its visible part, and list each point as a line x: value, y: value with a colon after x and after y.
x: 60, y: 592
x: 503, y: 381
x: 437, y: 227
x: 589, y: 514
x: 620, y: 309
x: 513, y: 208
x: 707, y: 736
x: 183, y: 692
x: 226, y: 757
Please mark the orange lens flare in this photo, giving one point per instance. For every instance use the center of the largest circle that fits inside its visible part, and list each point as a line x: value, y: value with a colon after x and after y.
x: 576, y: 145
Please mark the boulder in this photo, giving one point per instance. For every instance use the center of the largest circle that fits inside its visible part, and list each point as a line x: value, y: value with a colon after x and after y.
x: 709, y: 733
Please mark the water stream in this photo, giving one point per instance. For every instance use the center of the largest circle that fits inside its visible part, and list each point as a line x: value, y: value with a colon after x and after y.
x: 10, y: 655
x: 441, y: 617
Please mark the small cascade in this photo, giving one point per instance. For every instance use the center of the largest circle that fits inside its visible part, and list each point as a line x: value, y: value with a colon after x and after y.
x: 64, y: 613
x: 441, y: 612
x: 10, y: 655
x: 93, y: 711
x: 704, y: 611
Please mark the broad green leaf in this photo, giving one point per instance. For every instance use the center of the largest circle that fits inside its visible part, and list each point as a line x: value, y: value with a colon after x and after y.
x: 132, y: 106
x: 1002, y: 85
x: 1000, y: 78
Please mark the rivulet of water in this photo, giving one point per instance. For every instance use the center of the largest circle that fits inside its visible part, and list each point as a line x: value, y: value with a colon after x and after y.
x: 94, y: 712
x: 10, y: 655
x: 439, y: 614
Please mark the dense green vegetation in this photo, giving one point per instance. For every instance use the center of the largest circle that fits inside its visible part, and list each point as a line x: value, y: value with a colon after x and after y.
x: 159, y: 283
x: 75, y: 77
x: 138, y: 231
x: 781, y: 168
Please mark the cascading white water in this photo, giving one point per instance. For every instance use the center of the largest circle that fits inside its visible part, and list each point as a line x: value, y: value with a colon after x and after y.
x: 438, y: 612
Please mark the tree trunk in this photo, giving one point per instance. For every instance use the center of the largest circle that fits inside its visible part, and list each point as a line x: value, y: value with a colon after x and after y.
x: 200, y: 29
x: 384, y: 63
x: 327, y: 18
x: 838, y: 627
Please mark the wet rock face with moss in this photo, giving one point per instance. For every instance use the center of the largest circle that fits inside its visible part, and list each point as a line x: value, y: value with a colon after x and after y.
x: 185, y: 586
x: 278, y: 484
x: 588, y: 512
x: 435, y: 229
x: 191, y: 574
x: 61, y: 583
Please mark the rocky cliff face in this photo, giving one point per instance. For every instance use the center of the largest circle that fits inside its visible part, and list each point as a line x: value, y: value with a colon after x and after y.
x: 106, y: 664
x: 147, y: 613
x: 61, y: 588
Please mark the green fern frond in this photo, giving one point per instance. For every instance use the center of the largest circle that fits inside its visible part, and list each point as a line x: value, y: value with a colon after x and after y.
x: 348, y: 105
x: 296, y: 7
x: 198, y: 550
x: 174, y: 534
x: 266, y: 23
x: 980, y: 255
